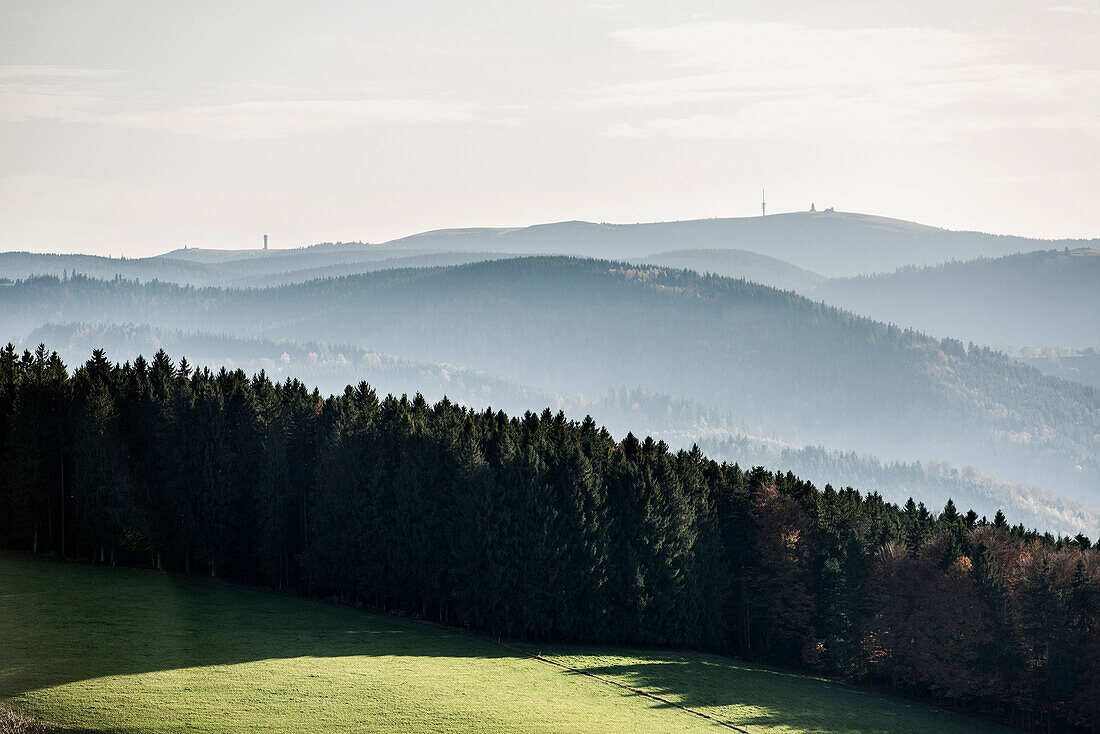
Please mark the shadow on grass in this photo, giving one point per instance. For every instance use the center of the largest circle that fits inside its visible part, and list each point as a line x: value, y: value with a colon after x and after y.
x: 65, y: 622
x: 62, y: 622
x: 761, y: 698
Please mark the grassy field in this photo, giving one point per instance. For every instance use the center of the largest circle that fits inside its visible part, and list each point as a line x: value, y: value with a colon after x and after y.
x: 95, y: 649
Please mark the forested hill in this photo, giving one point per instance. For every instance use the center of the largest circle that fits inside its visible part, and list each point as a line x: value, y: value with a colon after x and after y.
x: 739, y: 264
x: 234, y: 268
x: 542, y: 529
x: 833, y: 244
x: 1080, y: 365
x: 784, y: 365
x: 829, y: 243
x: 1037, y: 299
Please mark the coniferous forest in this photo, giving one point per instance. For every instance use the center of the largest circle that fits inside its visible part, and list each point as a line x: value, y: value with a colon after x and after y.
x: 541, y: 528
x: 785, y: 366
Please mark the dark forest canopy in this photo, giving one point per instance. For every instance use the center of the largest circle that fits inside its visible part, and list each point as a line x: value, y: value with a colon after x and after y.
x: 537, y: 527
x: 785, y: 366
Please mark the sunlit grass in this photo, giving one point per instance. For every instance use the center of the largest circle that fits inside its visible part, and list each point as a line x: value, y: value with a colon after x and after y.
x: 760, y: 699
x: 89, y: 648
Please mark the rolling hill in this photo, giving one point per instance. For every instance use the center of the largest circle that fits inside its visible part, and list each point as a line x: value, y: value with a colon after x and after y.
x: 1036, y: 299
x: 830, y: 243
x: 87, y: 648
x: 739, y: 264
x: 234, y: 268
x: 783, y: 365
x: 834, y: 244
x: 1079, y: 365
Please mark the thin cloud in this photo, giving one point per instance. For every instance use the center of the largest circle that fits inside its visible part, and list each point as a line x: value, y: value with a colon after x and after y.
x: 47, y: 93
x: 75, y: 96
x: 282, y: 118
x: 1075, y: 10
x: 750, y: 80
x: 51, y: 72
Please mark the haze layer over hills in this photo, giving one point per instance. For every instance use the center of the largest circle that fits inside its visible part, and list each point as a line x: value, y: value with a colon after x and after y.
x: 830, y: 244
x: 679, y: 422
x: 740, y: 264
x: 649, y: 348
x: 235, y: 268
x: 783, y: 365
x: 1050, y: 297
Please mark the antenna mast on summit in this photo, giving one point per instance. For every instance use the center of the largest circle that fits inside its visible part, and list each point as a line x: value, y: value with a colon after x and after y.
x: 763, y: 205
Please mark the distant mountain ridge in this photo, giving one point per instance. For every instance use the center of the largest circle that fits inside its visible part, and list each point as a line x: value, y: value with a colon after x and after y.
x: 223, y: 268
x: 827, y: 243
x: 830, y: 243
x: 1037, y: 298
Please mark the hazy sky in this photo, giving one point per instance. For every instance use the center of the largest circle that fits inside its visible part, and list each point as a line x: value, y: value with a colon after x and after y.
x: 133, y: 128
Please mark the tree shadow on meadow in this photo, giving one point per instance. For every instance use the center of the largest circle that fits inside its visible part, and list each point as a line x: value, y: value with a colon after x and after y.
x: 759, y: 698
x: 62, y: 622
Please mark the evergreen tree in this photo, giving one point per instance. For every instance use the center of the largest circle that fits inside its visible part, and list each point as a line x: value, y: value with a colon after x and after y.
x: 541, y: 528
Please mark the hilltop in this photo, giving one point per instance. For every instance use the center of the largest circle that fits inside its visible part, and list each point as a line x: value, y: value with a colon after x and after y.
x: 832, y: 244
x: 829, y: 243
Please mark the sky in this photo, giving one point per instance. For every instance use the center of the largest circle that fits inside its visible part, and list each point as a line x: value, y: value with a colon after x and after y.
x: 133, y: 128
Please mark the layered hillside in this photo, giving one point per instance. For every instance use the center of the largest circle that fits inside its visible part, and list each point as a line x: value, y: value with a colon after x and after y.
x: 234, y: 268
x: 1036, y: 299
x: 834, y: 244
x: 830, y: 243
x: 784, y: 365
x: 740, y: 264
x: 679, y: 422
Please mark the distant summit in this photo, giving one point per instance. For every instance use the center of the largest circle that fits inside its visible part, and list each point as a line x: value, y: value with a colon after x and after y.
x: 823, y: 242
x: 827, y: 242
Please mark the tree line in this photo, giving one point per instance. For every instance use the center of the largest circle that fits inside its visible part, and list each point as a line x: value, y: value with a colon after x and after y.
x: 895, y: 480
x: 541, y: 528
x: 678, y: 421
x: 785, y: 366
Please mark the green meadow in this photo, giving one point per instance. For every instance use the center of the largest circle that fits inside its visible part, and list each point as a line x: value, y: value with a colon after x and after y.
x: 89, y: 648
